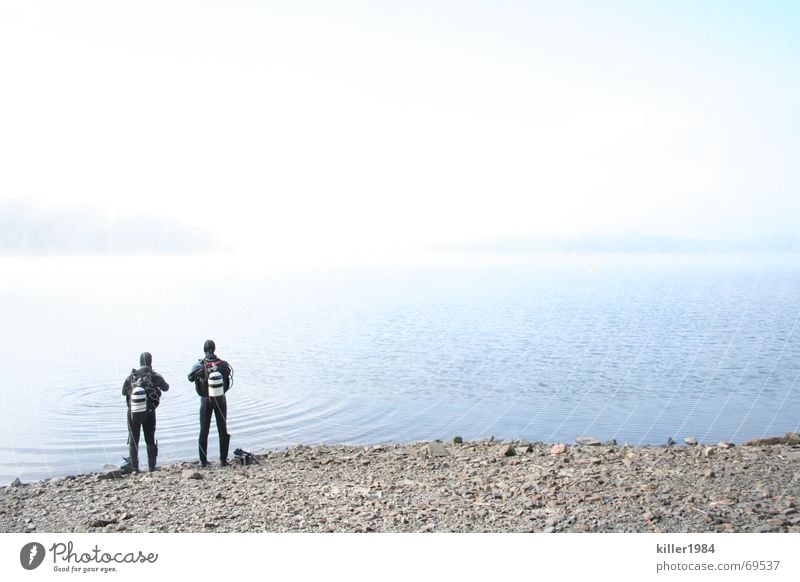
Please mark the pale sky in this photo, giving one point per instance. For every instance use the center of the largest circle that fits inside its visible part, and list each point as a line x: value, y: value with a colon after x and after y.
x: 346, y: 125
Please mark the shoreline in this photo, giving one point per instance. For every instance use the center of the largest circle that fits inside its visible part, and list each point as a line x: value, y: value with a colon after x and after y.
x: 477, y: 486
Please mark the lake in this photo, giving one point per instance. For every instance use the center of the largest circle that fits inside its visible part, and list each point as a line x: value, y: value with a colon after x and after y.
x: 542, y: 348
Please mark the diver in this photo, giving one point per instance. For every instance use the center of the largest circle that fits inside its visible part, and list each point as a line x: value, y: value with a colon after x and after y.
x: 142, y: 390
x: 212, y: 378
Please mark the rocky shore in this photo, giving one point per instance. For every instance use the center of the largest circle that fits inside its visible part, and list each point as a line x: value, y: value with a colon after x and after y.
x: 486, y: 486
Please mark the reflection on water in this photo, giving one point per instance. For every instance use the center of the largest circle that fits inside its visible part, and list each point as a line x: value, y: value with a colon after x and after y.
x: 545, y: 348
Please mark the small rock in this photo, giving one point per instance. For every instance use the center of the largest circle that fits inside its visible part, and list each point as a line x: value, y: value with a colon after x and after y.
x: 709, y: 474
x: 558, y: 449
x: 436, y: 449
x: 761, y: 492
x: 691, y: 441
x: 209, y: 525
x: 458, y: 440
x: 670, y: 441
x: 116, y: 474
x: 101, y: 522
x: 529, y: 449
x: 17, y: 483
x: 709, y: 452
x: 595, y: 460
x: 792, y: 438
x: 611, y: 443
x: 588, y: 441
x: 765, y: 529
x: 191, y: 474
x: 775, y: 522
x: 763, y: 442
x: 725, y: 445
x: 509, y: 451
x: 30, y: 527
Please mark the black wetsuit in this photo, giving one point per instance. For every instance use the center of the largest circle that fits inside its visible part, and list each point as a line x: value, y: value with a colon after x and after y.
x: 143, y: 420
x: 216, y: 405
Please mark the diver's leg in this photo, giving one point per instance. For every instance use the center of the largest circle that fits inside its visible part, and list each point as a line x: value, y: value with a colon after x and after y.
x: 150, y: 439
x: 205, y: 425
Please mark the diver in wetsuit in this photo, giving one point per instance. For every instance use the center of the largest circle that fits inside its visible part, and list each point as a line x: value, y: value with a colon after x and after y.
x: 142, y: 390
x: 212, y: 378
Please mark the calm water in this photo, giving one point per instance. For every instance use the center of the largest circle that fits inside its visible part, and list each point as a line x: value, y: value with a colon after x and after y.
x: 546, y: 348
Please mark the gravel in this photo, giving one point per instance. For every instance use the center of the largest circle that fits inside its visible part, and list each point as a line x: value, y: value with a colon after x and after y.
x: 433, y: 487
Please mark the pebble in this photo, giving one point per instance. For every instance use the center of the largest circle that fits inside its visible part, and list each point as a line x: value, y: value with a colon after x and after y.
x: 588, y: 441
x: 436, y: 449
x: 101, y: 522
x: 763, y: 442
x: 558, y: 449
x: 691, y: 441
x: 116, y: 474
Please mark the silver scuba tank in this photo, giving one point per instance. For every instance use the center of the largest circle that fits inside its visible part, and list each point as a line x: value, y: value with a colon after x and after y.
x: 138, y: 398
x: 216, y: 384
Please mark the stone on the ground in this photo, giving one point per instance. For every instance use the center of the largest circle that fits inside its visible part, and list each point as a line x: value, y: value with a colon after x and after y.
x: 763, y: 442
x: 116, y: 474
x: 588, y: 441
x: 508, y: 451
x: 436, y: 449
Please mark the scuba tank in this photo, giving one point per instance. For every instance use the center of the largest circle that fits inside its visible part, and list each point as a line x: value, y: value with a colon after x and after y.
x: 138, y: 396
x: 216, y: 384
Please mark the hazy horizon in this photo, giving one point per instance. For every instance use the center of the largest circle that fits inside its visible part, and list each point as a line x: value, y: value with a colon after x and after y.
x: 363, y: 127
x: 27, y: 229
